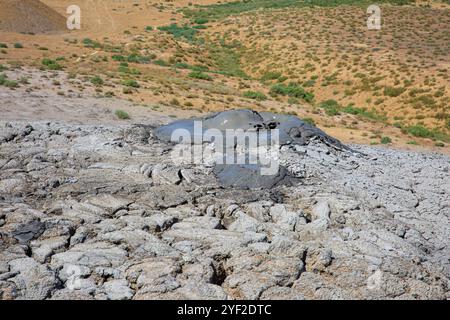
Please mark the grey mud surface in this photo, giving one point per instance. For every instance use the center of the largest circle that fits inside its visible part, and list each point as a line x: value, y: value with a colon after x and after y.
x: 101, y: 212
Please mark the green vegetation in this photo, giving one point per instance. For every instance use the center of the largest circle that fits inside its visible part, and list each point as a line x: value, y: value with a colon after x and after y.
x: 7, y: 83
x: 162, y: 63
x: 292, y: 90
x: 271, y: 75
x: 51, y: 64
x: 200, y: 75
x: 227, y: 60
x: 423, y: 132
x: 331, y: 107
x: 122, y: 115
x: 223, y: 10
x: 201, y: 20
x: 137, y: 58
x: 97, y: 81
x: 131, y: 83
x: 393, y: 91
x: 18, y: 45
x: 363, y: 112
x: 255, y: 95
x: 176, y: 31
x: 3, y: 45
x: 386, y: 140
x: 89, y: 43
x: 118, y: 58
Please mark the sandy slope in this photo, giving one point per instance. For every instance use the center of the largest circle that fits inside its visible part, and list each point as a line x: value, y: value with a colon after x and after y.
x: 29, y: 16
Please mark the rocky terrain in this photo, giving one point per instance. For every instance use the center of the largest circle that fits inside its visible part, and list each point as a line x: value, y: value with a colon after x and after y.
x: 99, y: 211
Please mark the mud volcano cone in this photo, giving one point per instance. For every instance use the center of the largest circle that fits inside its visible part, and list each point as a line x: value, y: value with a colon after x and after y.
x: 29, y: 16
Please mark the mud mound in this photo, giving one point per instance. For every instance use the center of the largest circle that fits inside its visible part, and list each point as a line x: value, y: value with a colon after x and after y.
x: 291, y: 129
x: 29, y: 16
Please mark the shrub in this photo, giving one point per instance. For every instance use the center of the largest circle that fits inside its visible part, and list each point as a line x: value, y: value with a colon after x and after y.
x: 122, y: 114
x: 331, y: 107
x: 419, y: 131
x: 51, y: 64
x: 18, y: 45
x: 118, y: 58
x: 148, y: 28
x: 3, y: 45
x: 88, y: 43
x: 372, y: 114
x: 136, y: 58
x: 180, y: 32
x: 271, y: 75
x: 385, y: 140
x: 201, y: 20
x: 255, y: 95
x: 393, y: 91
x: 97, y: 81
x: 162, y: 63
x: 292, y: 90
x: 200, y: 75
x: 422, y: 132
x: 131, y: 83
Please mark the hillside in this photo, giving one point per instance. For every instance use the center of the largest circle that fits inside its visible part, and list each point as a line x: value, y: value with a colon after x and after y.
x: 29, y: 16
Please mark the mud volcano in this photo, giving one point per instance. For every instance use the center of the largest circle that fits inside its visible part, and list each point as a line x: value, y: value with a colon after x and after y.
x: 291, y: 131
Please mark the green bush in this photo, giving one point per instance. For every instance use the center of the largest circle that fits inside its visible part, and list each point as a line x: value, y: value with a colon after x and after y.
x: 131, y: 83
x: 385, y: 140
x: 255, y: 95
x: 200, y: 75
x: 331, y: 107
x: 8, y: 83
x: 97, y: 81
x: 3, y: 45
x: 118, y: 58
x: 162, y: 63
x: 271, y: 75
x: 89, y: 43
x: 393, y: 91
x: 122, y: 115
x: 51, y: 64
x: 292, y: 90
x: 200, y: 20
x: 364, y: 113
x: 419, y: 131
x: 18, y: 45
x: 136, y: 58
x: 176, y: 31
x: 423, y: 132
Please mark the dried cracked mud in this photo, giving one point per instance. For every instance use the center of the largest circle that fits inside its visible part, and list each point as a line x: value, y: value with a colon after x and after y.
x: 101, y: 212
